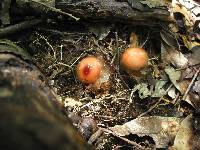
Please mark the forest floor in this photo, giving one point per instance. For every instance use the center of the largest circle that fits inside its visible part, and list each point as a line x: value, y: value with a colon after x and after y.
x: 168, y: 87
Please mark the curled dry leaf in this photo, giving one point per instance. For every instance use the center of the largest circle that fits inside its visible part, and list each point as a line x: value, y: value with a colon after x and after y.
x: 162, y: 129
x: 194, y: 57
x: 170, y: 53
x: 175, y: 57
x: 187, y: 138
x: 189, y: 9
x: 169, y: 39
x: 174, y: 76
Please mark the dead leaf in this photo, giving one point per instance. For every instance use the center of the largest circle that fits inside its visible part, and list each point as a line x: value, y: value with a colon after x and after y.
x: 174, y: 76
x: 174, y: 57
x: 101, y: 31
x: 188, y: 73
x: 172, y: 93
x: 143, y: 90
x: 162, y: 129
x: 196, y: 86
x: 170, y: 53
x: 183, y: 137
x: 159, y: 90
x: 169, y: 39
x: 189, y: 9
x: 194, y: 100
x: 195, y: 56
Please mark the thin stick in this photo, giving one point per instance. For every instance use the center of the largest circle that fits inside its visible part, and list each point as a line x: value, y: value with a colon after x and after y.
x: 131, y: 96
x: 122, y: 138
x: 82, y: 54
x: 61, y: 52
x: 145, y: 41
x: 18, y: 27
x: 191, y: 83
x: 50, y: 46
x: 154, y: 106
x: 117, y: 45
x: 52, y: 9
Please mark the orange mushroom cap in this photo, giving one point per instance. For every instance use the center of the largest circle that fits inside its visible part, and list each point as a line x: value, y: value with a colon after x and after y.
x: 134, y: 59
x: 89, y: 69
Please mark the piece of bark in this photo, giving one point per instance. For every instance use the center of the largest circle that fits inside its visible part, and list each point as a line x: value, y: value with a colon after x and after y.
x: 40, y: 8
x: 111, y: 11
x: 30, y: 115
x: 18, y: 27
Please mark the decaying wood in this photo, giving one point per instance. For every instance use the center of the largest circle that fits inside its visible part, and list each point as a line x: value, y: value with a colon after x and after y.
x: 18, y: 27
x: 41, y: 8
x: 112, y: 10
x: 30, y: 115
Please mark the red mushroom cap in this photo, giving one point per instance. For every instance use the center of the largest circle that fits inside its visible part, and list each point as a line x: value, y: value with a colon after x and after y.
x: 89, y: 69
x: 134, y: 59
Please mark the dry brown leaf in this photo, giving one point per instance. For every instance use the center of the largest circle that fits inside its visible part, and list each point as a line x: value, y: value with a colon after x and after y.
x: 162, y: 129
x: 183, y: 137
x: 169, y: 51
x: 190, y: 10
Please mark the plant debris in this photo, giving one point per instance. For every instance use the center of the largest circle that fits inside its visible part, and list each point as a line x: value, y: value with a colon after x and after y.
x: 161, y: 129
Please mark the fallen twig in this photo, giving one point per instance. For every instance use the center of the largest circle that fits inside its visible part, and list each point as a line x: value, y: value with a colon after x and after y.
x: 54, y: 9
x: 42, y: 7
x: 50, y: 46
x: 191, y: 83
x: 18, y: 27
x: 122, y: 138
x: 95, y: 136
x: 160, y: 99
